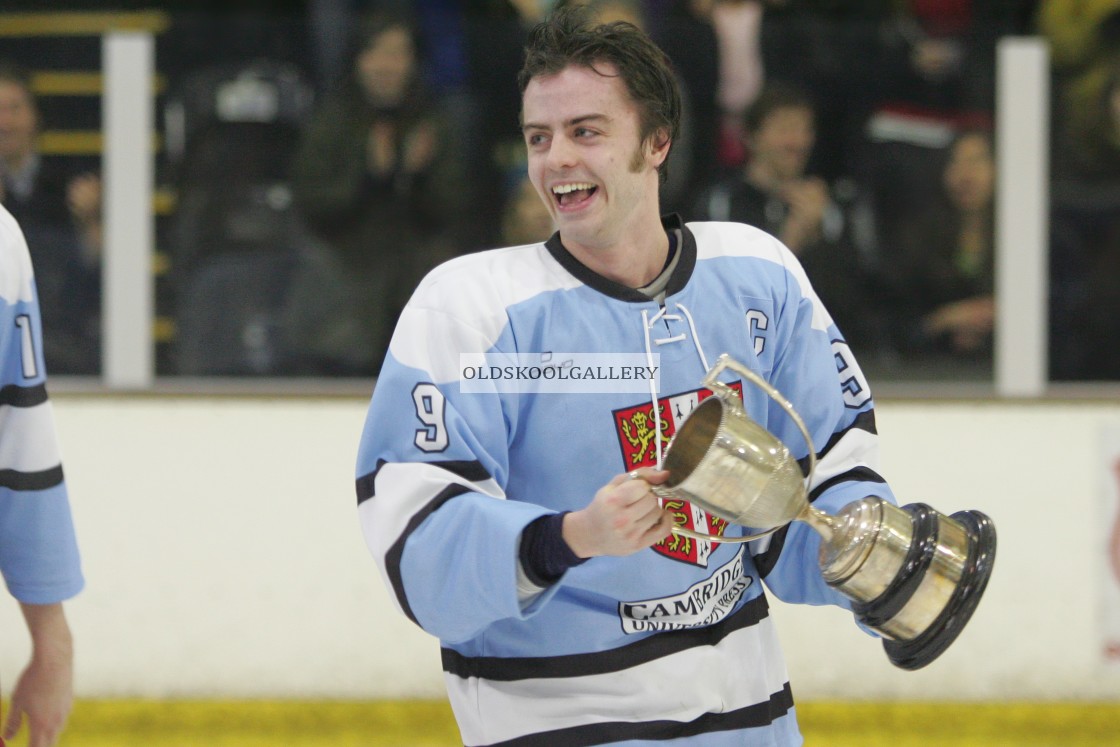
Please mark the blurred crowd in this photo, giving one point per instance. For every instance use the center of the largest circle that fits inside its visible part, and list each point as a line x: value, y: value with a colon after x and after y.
x: 324, y: 160
x: 60, y: 213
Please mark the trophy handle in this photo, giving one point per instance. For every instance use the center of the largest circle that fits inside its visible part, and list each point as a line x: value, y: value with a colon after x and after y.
x: 728, y: 540
x: 726, y: 361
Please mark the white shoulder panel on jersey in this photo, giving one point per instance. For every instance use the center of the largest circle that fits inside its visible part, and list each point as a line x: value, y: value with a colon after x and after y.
x: 715, y: 239
x: 37, y: 448
x: 15, y: 261
x: 475, y: 291
x: 856, y: 447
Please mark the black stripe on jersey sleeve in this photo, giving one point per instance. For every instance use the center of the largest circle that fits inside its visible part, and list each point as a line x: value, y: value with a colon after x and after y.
x: 41, y: 480
x: 473, y: 471
x: 865, y: 421
x: 765, y: 561
x: 752, y: 716
x: 856, y: 474
x: 393, y: 557
x: 23, y: 396
x: 508, y: 669
x: 364, y: 484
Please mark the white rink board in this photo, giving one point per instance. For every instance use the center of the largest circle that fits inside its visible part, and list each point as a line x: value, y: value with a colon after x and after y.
x: 223, y: 556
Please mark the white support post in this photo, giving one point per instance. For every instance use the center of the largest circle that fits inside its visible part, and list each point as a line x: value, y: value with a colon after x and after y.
x: 1022, y: 217
x: 128, y: 296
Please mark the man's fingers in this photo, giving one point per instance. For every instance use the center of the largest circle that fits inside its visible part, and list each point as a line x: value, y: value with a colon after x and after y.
x: 654, y: 521
x: 42, y: 737
x: 11, y: 723
x: 652, y: 475
x: 661, y: 527
x: 618, y: 480
x: 632, y: 492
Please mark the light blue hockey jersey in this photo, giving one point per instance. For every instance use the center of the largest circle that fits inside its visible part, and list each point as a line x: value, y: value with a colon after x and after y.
x: 38, y: 551
x: 673, y: 642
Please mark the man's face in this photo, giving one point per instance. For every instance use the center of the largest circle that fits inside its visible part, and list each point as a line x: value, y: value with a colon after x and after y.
x: 970, y: 176
x: 784, y: 141
x: 527, y: 219
x: 386, y: 65
x: 585, y: 157
x: 18, y: 121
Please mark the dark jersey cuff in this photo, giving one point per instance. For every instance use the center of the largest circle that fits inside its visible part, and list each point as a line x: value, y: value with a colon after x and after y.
x: 545, y: 555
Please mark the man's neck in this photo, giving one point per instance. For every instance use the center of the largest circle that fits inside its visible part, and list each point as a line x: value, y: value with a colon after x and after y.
x: 633, y: 264
x: 634, y: 256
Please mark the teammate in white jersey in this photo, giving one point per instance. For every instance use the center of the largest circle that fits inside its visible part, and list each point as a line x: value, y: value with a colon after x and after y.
x: 507, y: 521
x: 38, y: 551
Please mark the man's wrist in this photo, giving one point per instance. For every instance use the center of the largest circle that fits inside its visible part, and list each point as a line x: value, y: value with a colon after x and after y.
x: 545, y: 553
x: 46, y: 623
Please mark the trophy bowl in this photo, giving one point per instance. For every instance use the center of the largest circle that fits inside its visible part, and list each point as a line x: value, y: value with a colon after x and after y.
x: 912, y: 574
x: 733, y: 468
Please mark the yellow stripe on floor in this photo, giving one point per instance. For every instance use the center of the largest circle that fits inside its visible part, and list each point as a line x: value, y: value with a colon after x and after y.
x: 289, y: 723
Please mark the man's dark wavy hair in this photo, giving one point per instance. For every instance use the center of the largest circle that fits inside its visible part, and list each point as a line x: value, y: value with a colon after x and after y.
x: 570, y: 37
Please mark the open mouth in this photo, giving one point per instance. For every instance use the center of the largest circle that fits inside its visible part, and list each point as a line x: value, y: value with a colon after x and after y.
x: 572, y: 194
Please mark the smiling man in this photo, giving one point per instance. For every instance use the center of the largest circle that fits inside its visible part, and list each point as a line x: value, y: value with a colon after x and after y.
x: 517, y: 523
x: 596, y: 169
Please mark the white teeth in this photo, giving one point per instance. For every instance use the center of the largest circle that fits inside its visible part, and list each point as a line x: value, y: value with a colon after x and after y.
x: 563, y: 189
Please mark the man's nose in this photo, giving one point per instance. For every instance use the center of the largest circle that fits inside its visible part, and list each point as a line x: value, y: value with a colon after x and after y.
x: 561, y: 153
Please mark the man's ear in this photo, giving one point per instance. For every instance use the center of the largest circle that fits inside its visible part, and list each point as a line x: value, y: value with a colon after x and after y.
x: 659, y: 143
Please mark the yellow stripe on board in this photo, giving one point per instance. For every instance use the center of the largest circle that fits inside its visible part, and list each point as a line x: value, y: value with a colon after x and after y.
x: 161, y: 263
x: 164, y: 329
x: 79, y: 142
x: 70, y: 142
x: 164, y: 200
x: 65, y: 83
x: 268, y: 723
x: 81, y: 24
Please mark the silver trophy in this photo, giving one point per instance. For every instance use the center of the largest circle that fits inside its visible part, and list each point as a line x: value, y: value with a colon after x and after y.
x: 913, y: 574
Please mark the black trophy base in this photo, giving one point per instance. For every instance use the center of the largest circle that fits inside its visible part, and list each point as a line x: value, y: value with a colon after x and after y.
x: 932, y: 642
x: 919, y: 651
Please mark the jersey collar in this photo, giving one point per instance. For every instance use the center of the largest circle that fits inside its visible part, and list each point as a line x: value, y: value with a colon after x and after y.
x: 608, y: 287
